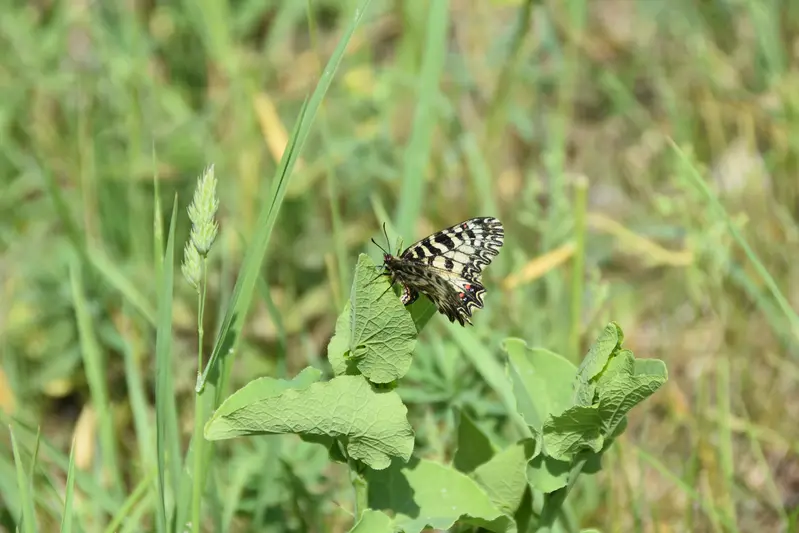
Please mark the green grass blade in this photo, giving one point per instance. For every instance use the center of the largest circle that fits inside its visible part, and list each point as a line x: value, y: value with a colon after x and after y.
x: 417, y: 152
x: 67, y: 515
x: 492, y: 372
x: 480, y: 173
x: 716, y: 205
x: 130, y: 346
x: 129, y: 505
x: 117, y: 279
x: 497, y: 111
x: 211, y: 383
x: 245, y: 283
x: 158, y: 222
x: 167, y: 444
x: 25, y: 487
x: 63, y: 212
x: 690, y: 492
x: 578, y: 268
x: 102, y: 498
x: 94, y: 365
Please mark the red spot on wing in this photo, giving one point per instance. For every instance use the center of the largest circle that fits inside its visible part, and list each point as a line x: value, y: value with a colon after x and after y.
x: 462, y: 296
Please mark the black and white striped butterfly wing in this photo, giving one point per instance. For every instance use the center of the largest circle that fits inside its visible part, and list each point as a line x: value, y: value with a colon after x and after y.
x: 447, y: 265
x: 463, y: 249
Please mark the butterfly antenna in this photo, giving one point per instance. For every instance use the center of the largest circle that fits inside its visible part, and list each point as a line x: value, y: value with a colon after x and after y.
x: 381, y: 248
x: 388, y: 243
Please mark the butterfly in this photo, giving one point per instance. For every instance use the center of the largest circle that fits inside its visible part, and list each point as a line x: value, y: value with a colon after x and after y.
x: 446, y: 266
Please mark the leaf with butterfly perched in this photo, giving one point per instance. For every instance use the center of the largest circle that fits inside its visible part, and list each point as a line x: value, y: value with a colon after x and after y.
x: 377, y: 335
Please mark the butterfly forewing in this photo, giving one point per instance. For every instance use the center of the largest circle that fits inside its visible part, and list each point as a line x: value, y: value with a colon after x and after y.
x: 464, y: 249
x: 447, y: 265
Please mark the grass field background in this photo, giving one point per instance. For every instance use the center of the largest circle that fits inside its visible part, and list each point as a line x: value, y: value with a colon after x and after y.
x: 642, y: 156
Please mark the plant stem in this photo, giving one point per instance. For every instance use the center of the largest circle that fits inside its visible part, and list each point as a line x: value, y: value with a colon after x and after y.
x: 553, y: 502
x: 361, y: 487
x: 198, y: 477
x: 578, y: 267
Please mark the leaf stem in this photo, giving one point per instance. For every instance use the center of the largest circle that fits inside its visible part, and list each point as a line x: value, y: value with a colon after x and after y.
x: 361, y: 487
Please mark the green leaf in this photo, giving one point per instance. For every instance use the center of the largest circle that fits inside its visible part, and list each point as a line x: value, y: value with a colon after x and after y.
x: 594, y: 363
x: 382, y: 332
x: 428, y: 494
x: 504, y: 476
x: 374, y: 522
x: 474, y: 446
x: 264, y: 388
x: 339, y: 346
x: 579, y: 427
x: 422, y: 310
x: 372, y: 424
x: 625, y: 388
x: 622, y: 385
x: 542, y: 382
x: 524, y: 514
x: 548, y: 474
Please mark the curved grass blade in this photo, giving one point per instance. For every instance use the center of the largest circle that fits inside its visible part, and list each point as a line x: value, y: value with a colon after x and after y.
x: 417, y: 152
x: 166, y: 431
x: 66, y: 517
x: 245, y: 284
x: 25, y: 487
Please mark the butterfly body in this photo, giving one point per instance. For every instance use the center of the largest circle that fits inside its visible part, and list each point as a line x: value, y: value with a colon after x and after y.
x: 446, y: 266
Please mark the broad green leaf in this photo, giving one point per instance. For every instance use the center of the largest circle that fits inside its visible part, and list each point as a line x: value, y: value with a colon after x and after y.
x: 619, y: 388
x: 595, y: 361
x: 548, y: 474
x: 542, y: 382
x: 579, y: 427
x: 504, y: 477
x: 264, y: 388
x: 474, y: 446
x: 382, y: 332
x: 626, y: 389
x: 524, y: 514
x: 423, y: 493
x: 374, y: 522
x: 371, y: 423
x: 422, y: 310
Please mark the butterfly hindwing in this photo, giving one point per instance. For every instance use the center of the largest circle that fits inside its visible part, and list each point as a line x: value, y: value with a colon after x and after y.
x: 447, y: 265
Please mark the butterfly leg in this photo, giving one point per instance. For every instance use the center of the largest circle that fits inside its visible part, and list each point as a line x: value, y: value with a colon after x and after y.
x: 408, y: 295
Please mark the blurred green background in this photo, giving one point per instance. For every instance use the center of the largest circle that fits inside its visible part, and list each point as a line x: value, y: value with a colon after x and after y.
x: 551, y: 115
